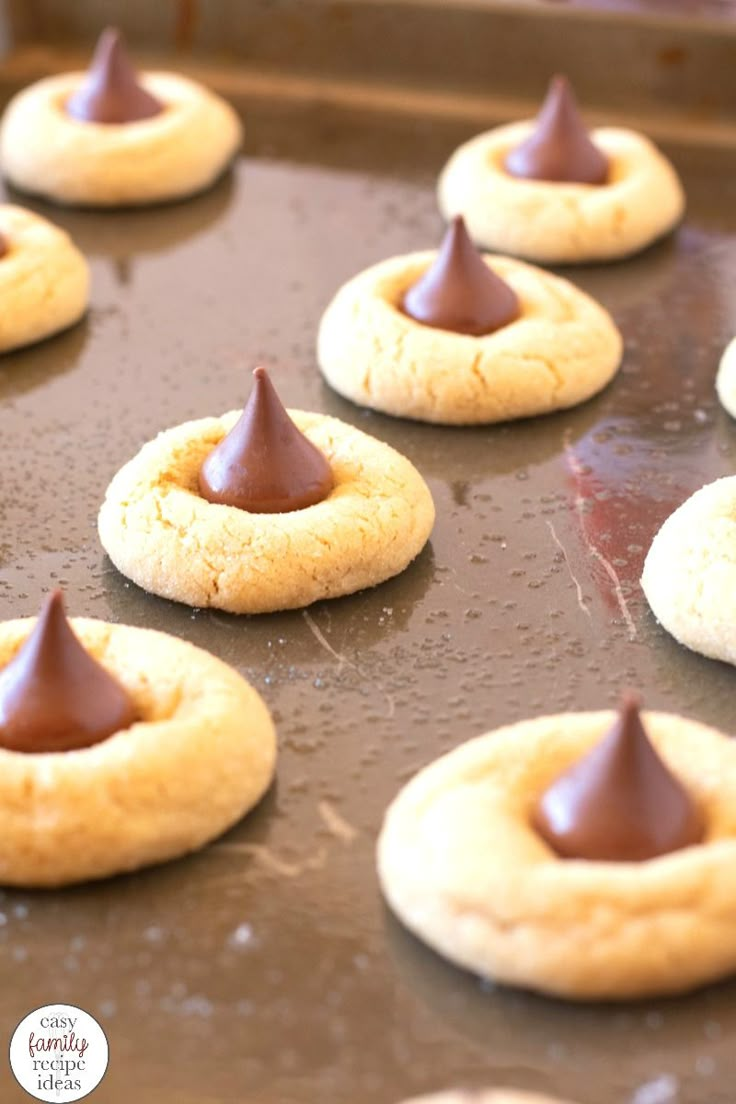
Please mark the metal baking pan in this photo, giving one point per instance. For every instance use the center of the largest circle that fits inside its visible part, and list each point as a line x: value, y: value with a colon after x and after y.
x: 266, y: 969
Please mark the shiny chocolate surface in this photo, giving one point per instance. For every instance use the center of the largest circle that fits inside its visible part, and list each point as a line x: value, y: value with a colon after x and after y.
x: 265, y: 465
x: 559, y: 149
x: 619, y: 802
x: 459, y: 292
x: 111, y: 92
x: 54, y: 695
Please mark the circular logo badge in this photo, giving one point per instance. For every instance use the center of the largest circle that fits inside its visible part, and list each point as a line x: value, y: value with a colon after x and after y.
x: 58, y: 1053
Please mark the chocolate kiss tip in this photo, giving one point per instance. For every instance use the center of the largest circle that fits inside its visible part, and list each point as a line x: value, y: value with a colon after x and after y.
x: 559, y: 149
x: 459, y: 292
x: 630, y: 703
x: 111, y: 38
x: 111, y: 93
x: 265, y: 465
x: 55, y: 602
x: 54, y: 696
x: 620, y: 802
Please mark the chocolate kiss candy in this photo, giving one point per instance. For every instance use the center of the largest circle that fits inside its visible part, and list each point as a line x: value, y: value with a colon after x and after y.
x: 459, y: 291
x: 620, y: 802
x: 111, y: 93
x: 3, y: 245
x: 54, y: 696
x: 559, y: 148
x: 265, y: 465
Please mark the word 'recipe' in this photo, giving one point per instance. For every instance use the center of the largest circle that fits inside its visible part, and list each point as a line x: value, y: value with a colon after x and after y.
x: 67, y: 1044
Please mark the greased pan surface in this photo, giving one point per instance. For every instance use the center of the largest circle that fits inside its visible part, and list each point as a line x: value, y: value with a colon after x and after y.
x: 266, y: 968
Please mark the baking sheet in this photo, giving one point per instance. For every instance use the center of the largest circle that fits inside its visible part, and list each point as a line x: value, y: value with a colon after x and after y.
x: 266, y: 969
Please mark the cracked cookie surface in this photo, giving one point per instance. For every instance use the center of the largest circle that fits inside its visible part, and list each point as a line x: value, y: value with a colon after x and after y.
x: 562, y: 349
x: 562, y: 223
x: 44, y: 279
x: 168, y: 156
x: 201, y: 756
x: 159, y: 532
x: 689, y: 575
x: 462, y: 867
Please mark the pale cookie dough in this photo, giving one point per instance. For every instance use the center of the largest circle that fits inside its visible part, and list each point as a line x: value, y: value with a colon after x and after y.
x: 562, y: 349
x: 44, y: 279
x: 726, y: 379
x: 159, y: 532
x: 689, y: 574
x: 562, y: 223
x: 483, y: 1096
x: 464, y: 870
x: 202, y: 756
x: 176, y: 153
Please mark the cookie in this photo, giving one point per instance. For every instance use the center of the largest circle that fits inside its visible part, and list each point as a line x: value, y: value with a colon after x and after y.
x: 160, y: 532
x: 483, y: 1096
x: 44, y: 279
x: 562, y: 222
x: 561, y: 349
x: 200, y: 755
x: 690, y: 571
x: 726, y: 379
x: 105, y: 139
x: 464, y: 869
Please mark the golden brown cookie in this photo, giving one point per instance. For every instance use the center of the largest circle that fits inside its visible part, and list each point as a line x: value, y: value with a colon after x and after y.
x: 177, y: 153
x: 561, y: 350
x: 160, y: 532
x: 726, y: 378
x: 560, y: 222
x: 200, y: 757
x: 463, y: 868
x: 690, y: 571
x: 44, y: 279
